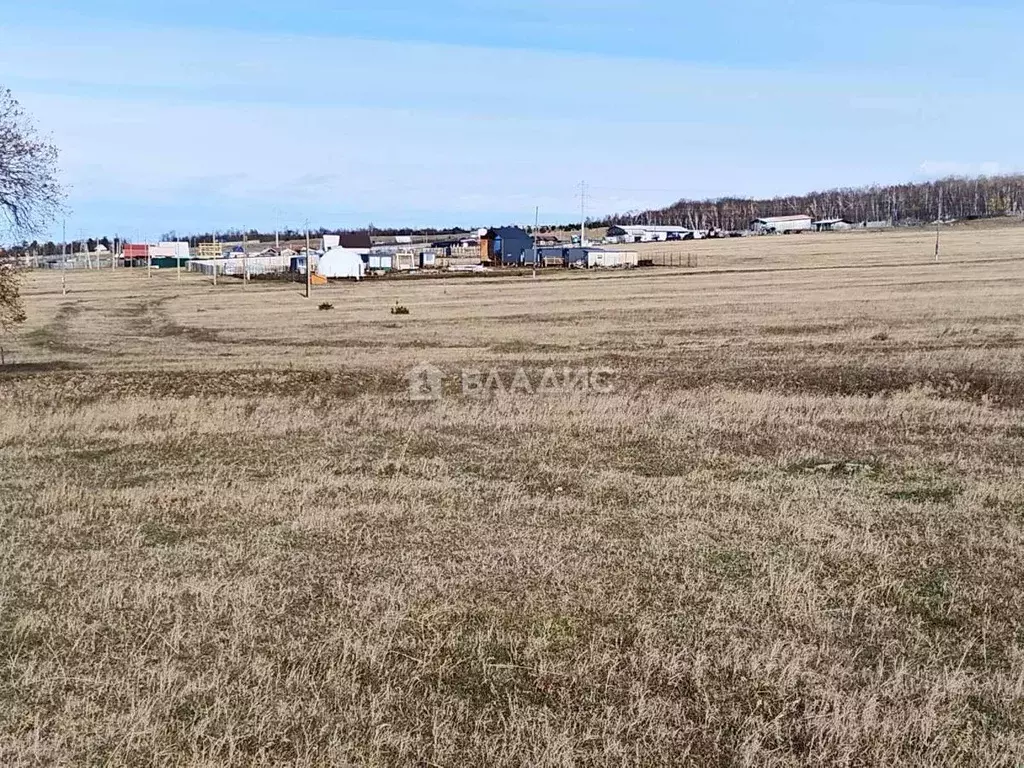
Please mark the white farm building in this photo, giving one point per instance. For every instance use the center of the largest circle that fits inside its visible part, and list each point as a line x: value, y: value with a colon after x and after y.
x: 783, y: 225
x: 644, y: 233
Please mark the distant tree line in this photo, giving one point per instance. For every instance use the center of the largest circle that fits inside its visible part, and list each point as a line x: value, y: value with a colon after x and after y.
x: 907, y: 204
x: 903, y: 204
x: 255, y: 235
x: 50, y: 248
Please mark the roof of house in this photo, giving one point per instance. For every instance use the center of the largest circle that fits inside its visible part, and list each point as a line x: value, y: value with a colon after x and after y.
x: 773, y: 219
x: 832, y: 221
x: 649, y: 228
x: 356, y: 240
x: 508, y: 232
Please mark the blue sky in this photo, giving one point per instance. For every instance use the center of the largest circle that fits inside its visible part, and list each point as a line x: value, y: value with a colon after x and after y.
x: 195, y: 115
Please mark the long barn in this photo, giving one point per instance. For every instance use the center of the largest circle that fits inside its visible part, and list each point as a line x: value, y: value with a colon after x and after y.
x: 783, y: 225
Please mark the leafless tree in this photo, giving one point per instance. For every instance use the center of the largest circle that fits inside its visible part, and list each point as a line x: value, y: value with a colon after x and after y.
x: 30, y: 197
x: 30, y: 193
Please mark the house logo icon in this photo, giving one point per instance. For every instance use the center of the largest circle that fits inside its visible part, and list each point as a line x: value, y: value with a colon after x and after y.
x: 426, y: 382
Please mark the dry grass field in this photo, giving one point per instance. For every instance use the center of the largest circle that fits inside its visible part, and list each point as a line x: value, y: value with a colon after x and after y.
x: 792, y: 535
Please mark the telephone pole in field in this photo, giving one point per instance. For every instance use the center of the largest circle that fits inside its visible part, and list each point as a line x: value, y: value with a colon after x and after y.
x: 536, y: 242
x: 64, y: 258
x: 309, y: 265
x: 245, y: 258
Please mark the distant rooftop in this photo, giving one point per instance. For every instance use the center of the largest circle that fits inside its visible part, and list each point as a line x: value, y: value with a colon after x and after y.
x: 776, y: 219
x: 649, y: 228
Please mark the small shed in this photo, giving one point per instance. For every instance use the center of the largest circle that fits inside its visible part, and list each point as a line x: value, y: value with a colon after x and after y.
x: 380, y: 261
x: 405, y: 261
x: 597, y: 258
x: 134, y: 254
x: 297, y: 262
x: 554, y: 256
x: 832, y: 225
x: 575, y: 257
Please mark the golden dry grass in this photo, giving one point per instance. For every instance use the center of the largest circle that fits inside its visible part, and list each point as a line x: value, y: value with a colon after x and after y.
x: 793, y: 535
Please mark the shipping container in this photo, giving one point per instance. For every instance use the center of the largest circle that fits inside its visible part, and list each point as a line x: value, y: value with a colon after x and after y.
x: 611, y: 259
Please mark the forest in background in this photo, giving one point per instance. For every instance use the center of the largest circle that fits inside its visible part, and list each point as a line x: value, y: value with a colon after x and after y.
x: 903, y: 204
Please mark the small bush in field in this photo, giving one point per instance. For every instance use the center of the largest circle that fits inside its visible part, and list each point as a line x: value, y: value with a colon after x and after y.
x: 326, y: 306
x: 398, y: 309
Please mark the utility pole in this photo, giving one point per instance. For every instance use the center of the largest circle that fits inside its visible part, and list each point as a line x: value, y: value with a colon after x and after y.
x: 245, y: 258
x: 309, y: 265
x: 536, y: 247
x: 63, y: 258
x: 583, y: 213
x: 937, y: 227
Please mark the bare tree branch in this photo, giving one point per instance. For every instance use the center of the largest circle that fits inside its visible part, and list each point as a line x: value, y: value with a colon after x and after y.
x: 30, y: 193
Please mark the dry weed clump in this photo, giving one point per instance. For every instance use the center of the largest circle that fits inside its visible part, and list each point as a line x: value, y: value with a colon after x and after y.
x: 779, y: 541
